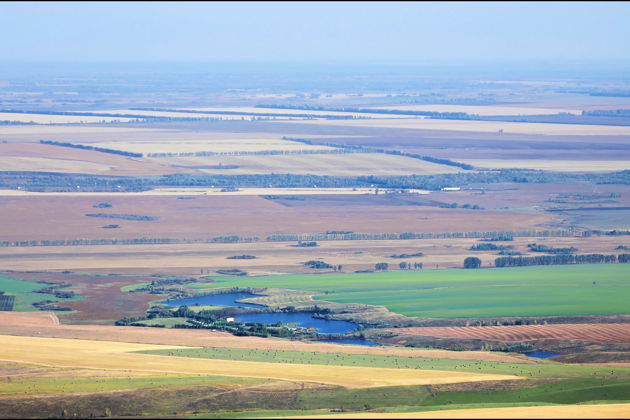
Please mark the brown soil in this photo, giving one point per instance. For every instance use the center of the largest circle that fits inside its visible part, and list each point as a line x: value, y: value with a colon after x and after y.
x: 103, y: 301
x: 63, y: 217
x: 594, y: 333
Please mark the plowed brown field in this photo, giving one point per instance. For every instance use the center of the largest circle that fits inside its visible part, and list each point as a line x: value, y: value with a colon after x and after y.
x: 595, y: 333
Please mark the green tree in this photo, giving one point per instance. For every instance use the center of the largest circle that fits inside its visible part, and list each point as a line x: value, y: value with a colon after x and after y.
x: 472, y: 262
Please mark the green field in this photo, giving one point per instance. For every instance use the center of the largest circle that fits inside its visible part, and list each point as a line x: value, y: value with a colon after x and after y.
x: 545, y: 369
x: 587, y: 289
x: 24, y: 295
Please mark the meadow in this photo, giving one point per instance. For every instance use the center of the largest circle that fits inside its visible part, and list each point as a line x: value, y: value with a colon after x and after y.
x: 523, y: 291
x: 25, y: 295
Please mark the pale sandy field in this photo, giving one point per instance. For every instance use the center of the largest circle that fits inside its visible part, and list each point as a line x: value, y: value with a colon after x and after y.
x: 552, y: 165
x: 215, y: 146
x: 349, y: 164
x: 116, y: 355
x: 172, y: 114
x: 484, y: 110
x: 58, y: 119
x: 479, y: 126
x: 298, y: 112
x: 50, y: 165
x: 63, y: 130
x: 203, y: 191
x: 578, y: 411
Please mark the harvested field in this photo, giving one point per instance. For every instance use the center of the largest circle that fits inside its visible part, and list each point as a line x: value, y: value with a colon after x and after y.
x: 351, y: 164
x: 21, y: 326
x: 273, y: 257
x: 192, y: 191
x: 483, y: 110
x: 31, y: 319
x: 166, y: 114
x: 592, y: 333
x: 68, y: 132
x: 116, y: 355
x: 58, y: 119
x: 478, y: 126
x: 51, y: 216
x: 47, y: 158
x: 186, y: 145
x: 581, y: 411
x: 552, y: 165
x: 296, y: 112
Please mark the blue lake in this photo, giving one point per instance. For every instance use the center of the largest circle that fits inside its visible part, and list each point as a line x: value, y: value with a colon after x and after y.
x: 302, y: 319
x: 355, y: 341
x: 225, y: 299
x: 542, y: 354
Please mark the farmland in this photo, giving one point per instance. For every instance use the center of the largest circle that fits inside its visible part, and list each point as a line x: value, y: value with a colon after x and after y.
x: 530, y: 291
x: 355, y: 195
x: 604, y: 333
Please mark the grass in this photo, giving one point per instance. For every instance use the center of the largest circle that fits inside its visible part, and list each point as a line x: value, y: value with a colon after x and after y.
x: 542, y: 370
x: 105, y: 384
x: 568, y: 391
x: 24, y: 295
x: 452, y: 293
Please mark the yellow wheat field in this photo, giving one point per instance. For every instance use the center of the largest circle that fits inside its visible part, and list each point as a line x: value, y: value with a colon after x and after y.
x: 116, y: 355
x: 579, y: 411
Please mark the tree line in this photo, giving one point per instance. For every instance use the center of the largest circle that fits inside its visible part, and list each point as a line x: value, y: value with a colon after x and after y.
x: 561, y: 259
x: 52, y: 181
x: 84, y: 147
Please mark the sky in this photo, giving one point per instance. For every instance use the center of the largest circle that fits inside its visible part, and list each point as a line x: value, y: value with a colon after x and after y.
x: 405, y: 32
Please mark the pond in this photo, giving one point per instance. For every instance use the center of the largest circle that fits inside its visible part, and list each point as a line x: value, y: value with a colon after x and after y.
x: 224, y: 299
x: 542, y: 354
x: 302, y: 319
x: 355, y: 341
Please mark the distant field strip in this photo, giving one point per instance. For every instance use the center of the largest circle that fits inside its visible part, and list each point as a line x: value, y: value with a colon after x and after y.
x: 482, y: 110
x: 579, y: 411
x: 210, y: 146
x: 478, y: 126
x: 297, y: 113
x: 115, y: 355
x: 58, y: 119
x: 599, y: 333
x: 351, y: 164
x: 551, y: 165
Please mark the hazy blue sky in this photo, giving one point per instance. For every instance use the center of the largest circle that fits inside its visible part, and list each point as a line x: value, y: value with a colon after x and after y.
x: 314, y: 31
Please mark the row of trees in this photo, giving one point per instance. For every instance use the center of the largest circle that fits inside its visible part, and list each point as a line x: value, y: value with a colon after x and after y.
x: 98, y: 149
x: 51, y: 181
x: 561, y: 259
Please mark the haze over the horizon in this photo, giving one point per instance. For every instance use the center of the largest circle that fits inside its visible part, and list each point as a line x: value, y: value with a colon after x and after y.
x: 314, y: 31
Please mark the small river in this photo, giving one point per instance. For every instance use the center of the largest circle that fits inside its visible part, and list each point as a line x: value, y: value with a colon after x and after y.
x: 355, y: 341
x: 542, y: 354
x: 301, y: 319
